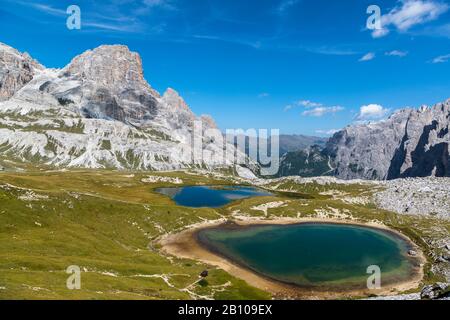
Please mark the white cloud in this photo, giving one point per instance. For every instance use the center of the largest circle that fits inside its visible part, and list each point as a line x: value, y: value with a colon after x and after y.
x: 441, y: 31
x: 147, y: 6
x: 303, y: 103
x: 396, y: 53
x: 263, y: 95
x: 314, y: 109
x: 111, y: 27
x: 367, y: 57
x: 372, y: 112
x: 288, y: 107
x: 410, y: 13
x: 166, y: 4
x: 308, y: 104
x: 244, y: 42
x: 333, y: 51
x: 441, y: 59
x: 329, y: 132
x: 95, y: 20
x: 320, y: 111
x: 286, y: 4
x: 378, y: 33
x: 45, y: 8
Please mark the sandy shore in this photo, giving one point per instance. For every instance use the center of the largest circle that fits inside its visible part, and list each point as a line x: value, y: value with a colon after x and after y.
x: 185, y: 245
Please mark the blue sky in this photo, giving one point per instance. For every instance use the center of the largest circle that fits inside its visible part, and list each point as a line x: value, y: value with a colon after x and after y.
x: 303, y: 66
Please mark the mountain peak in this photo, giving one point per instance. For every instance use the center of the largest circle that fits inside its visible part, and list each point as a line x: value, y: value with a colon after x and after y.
x: 173, y: 98
x: 108, y: 64
x: 16, y: 70
x: 5, y: 48
x: 8, y: 54
x: 171, y: 93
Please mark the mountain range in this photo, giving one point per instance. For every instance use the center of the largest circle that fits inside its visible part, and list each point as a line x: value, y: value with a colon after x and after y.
x: 100, y: 112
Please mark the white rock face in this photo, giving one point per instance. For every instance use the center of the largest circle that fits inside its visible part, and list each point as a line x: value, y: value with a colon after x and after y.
x: 98, y: 112
x: 16, y: 70
x: 155, y: 179
x: 411, y: 143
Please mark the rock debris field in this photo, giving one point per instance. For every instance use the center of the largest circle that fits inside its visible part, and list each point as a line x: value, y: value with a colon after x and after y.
x: 421, y: 196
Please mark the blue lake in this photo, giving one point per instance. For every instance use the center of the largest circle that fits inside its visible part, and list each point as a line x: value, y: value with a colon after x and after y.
x: 210, y: 196
x: 312, y: 254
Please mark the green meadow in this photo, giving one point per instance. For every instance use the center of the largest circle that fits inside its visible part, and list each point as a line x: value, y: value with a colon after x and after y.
x: 108, y: 223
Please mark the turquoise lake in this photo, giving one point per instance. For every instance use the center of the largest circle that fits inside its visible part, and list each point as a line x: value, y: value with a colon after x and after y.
x: 210, y: 196
x: 312, y: 254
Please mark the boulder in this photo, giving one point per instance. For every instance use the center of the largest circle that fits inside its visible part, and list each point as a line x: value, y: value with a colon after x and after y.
x: 435, y: 291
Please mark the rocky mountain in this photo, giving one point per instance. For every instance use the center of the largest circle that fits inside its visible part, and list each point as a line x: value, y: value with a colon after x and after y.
x: 286, y: 143
x: 410, y: 143
x: 298, y: 142
x: 309, y: 162
x: 97, y: 112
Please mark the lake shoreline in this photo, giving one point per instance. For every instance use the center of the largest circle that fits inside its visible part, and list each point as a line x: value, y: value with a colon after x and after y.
x: 186, y: 244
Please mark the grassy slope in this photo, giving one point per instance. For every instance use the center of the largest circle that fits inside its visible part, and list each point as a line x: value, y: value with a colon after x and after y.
x: 105, y: 222
x: 107, y: 231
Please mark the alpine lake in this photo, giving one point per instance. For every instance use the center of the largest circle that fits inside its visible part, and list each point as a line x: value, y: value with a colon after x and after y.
x: 319, y: 255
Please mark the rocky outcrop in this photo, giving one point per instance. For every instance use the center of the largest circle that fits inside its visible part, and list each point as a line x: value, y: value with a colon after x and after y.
x: 16, y: 70
x: 411, y: 143
x: 435, y: 291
